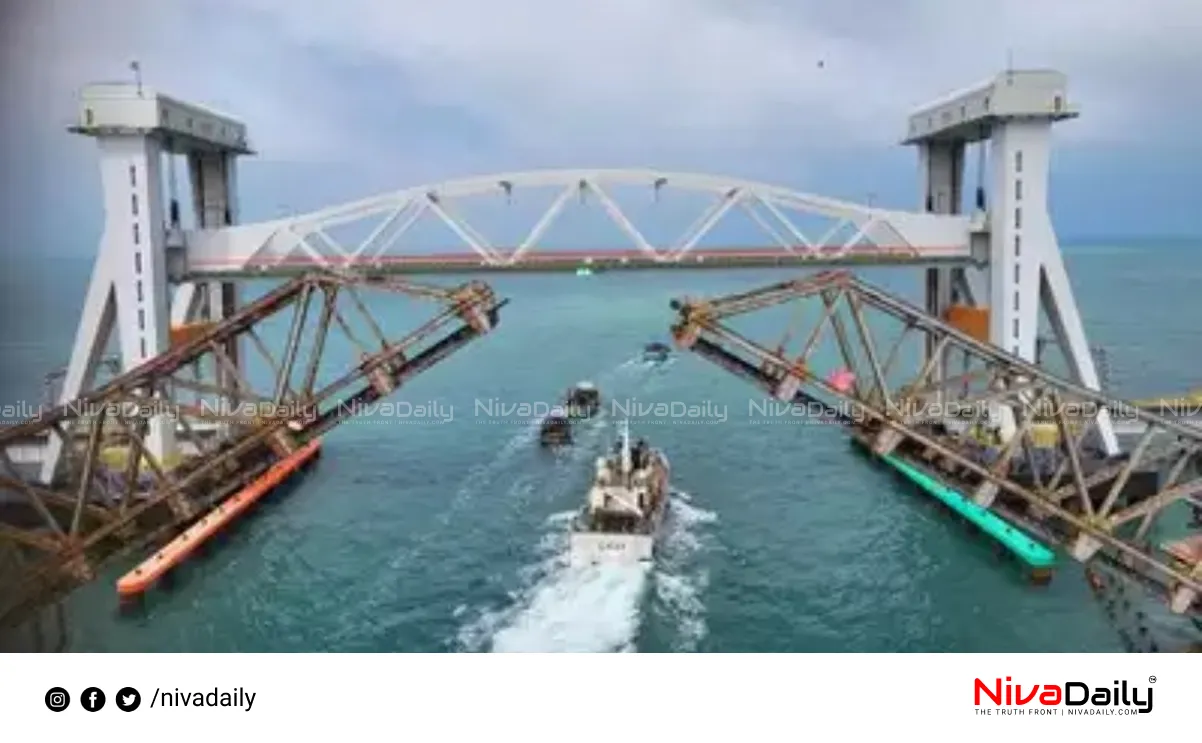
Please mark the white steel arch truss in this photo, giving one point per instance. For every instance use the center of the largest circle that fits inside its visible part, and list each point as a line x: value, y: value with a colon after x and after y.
x: 853, y: 228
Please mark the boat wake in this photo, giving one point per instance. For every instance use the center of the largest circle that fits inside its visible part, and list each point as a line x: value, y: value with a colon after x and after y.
x: 481, y: 478
x: 680, y: 578
x: 642, y: 365
x: 599, y: 608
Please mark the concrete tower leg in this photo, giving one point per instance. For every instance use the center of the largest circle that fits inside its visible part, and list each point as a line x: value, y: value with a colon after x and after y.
x: 1028, y: 271
x: 942, y: 174
x: 134, y: 128
x: 128, y: 289
x: 213, y: 177
x: 1013, y: 112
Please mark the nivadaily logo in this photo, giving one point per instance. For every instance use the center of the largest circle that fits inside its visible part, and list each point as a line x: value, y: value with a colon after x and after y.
x: 1070, y: 697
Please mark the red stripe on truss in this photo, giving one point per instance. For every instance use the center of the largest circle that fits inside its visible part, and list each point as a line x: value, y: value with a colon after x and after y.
x: 542, y: 255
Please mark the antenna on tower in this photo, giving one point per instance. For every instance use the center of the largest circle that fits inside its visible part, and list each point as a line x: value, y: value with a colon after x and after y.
x: 1010, y: 62
x: 136, y: 68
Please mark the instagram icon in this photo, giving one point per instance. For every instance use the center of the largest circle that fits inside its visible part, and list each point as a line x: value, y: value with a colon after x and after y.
x: 57, y: 699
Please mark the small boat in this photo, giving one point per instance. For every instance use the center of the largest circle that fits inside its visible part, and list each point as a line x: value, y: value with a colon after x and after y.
x: 580, y: 403
x: 656, y: 352
x: 627, y: 503
x: 556, y: 430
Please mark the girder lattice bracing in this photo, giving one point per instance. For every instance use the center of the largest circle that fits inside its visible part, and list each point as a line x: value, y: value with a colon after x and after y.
x: 1005, y: 432
x: 380, y: 232
x: 113, y: 497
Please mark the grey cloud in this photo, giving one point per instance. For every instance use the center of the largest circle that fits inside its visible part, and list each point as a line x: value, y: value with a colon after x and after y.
x: 556, y: 76
x: 698, y: 71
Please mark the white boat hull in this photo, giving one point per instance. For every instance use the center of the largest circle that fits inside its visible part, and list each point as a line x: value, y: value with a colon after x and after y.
x: 602, y: 547
x: 595, y: 548
x: 614, y: 526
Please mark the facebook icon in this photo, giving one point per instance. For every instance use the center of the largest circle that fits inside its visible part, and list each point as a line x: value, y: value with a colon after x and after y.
x: 92, y: 699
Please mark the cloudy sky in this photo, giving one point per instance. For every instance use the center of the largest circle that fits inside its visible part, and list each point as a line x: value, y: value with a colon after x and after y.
x: 348, y: 98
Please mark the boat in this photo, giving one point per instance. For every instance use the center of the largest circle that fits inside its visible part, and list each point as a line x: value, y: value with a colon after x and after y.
x: 656, y: 352
x: 556, y: 430
x: 627, y: 503
x: 581, y: 402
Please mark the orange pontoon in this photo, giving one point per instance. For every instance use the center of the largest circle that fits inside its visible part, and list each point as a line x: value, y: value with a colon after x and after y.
x: 137, y: 581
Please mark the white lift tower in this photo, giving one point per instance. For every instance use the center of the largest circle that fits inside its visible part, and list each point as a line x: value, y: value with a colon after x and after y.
x: 136, y: 128
x: 1023, y: 271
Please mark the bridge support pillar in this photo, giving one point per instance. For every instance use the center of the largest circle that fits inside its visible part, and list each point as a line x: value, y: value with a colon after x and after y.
x: 135, y: 128
x: 1012, y: 115
x: 1027, y: 268
x: 128, y: 289
x: 213, y: 177
x: 941, y: 165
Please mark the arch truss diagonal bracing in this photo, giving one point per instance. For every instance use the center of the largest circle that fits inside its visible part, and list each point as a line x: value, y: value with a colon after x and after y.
x: 650, y: 217
x: 1005, y: 433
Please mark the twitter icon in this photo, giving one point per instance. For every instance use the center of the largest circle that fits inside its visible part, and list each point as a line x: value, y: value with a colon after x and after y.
x: 128, y: 699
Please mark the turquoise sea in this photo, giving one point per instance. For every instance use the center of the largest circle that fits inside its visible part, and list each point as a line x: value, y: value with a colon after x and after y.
x: 431, y: 536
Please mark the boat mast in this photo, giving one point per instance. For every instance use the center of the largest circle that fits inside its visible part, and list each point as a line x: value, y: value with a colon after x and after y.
x: 627, y: 463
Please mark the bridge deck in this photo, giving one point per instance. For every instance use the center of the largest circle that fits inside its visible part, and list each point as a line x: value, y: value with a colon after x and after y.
x: 594, y: 260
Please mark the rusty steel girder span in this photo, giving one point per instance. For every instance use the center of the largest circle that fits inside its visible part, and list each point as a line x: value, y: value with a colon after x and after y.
x: 1128, y: 514
x: 113, y: 496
